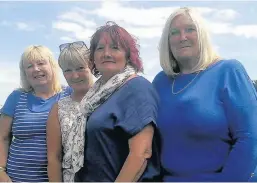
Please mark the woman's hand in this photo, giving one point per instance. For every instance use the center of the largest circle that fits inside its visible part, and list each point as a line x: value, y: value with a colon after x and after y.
x: 4, y: 177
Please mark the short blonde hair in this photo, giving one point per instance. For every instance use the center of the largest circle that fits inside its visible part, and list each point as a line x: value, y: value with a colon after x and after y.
x: 34, y: 53
x: 74, y: 54
x: 207, y: 52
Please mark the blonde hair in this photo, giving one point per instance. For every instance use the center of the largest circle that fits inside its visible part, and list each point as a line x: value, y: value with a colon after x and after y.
x: 207, y: 52
x: 38, y: 52
x: 75, y: 55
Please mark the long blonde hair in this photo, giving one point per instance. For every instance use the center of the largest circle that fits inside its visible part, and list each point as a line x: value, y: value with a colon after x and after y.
x: 39, y: 52
x: 207, y: 52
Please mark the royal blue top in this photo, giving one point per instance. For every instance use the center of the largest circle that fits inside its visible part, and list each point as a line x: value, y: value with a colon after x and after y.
x: 209, y: 130
x: 27, y: 158
x: 110, y: 127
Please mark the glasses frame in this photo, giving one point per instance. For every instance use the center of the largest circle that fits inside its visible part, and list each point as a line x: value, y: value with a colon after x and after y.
x: 67, y: 45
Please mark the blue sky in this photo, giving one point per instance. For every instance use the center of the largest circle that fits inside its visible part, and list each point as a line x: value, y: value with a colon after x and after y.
x: 233, y: 27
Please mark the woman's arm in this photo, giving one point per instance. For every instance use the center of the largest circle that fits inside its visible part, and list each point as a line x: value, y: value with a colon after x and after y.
x: 5, y: 139
x: 54, y: 146
x: 240, y: 105
x: 140, y: 149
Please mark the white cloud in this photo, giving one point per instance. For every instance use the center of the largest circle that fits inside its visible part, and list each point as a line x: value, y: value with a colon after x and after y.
x: 78, y: 18
x: 79, y: 31
x: 145, y: 32
x: 145, y: 23
x: 133, y: 16
x: 67, y: 26
x: 246, y: 30
x: 225, y: 15
x: 65, y: 38
x: 23, y: 26
x: 219, y: 27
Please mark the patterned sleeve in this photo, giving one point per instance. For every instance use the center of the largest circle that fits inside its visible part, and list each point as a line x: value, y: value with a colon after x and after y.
x: 10, y: 103
x: 138, y: 107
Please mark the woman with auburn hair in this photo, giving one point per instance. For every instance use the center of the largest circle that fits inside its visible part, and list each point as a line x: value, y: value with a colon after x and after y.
x: 208, y: 109
x: 24, y: 116
x: 74, y: 62
x: 115, y: 128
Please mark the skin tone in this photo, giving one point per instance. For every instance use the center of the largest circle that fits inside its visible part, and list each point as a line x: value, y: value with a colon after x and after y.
x: 5, y: 139
x: 39, y: 75
x: 183, y: 42
x: 109, y: 58
x: 80, y: 79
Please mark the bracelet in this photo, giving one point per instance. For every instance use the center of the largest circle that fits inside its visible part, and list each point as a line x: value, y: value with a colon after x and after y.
x: 2, y: 169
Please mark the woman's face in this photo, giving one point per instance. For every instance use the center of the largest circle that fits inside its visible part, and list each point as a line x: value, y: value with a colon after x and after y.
x: 183, y: 38
x: 109, y: 57
x: 38, y: 72
x: 79, y: 77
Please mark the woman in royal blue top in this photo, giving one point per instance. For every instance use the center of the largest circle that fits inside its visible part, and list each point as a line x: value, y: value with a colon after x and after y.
x: 24, y: 115
x: 208, y: 109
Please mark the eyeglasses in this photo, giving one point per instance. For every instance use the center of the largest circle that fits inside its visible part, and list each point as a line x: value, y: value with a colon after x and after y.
x: 79, y: 44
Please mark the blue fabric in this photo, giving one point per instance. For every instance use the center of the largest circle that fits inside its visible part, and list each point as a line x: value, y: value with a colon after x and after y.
x: 209, y: 130
x: 27, y: 158
x: 11, y: 103
x: 111, y: 125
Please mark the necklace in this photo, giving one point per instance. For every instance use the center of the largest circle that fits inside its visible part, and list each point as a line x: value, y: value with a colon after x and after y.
x: 173, y: 83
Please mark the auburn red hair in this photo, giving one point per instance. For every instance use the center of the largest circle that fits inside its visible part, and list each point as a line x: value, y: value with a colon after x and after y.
x: 120, y: 37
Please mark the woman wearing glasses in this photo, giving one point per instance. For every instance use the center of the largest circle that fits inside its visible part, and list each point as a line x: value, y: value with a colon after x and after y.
x: 118, y: 113
x: 24, y: 115
x: 74, y: 62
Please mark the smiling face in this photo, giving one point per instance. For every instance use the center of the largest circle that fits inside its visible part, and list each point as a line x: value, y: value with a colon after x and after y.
x: 38, y: 73
x: 109, y: 57
x: 183, y: 38
x: 78, y: 77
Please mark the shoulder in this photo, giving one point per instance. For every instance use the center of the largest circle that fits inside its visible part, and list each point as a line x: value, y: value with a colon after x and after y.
x: 139, y: 85
x: 232, y: 68
x: 161, y: 81
x: 231, y: 64
x: 160, y: 77
x: 64, y: 99
x: 15, y: 95
x: 139, y: 89
x: 11, y: 102
x: 66, y: 91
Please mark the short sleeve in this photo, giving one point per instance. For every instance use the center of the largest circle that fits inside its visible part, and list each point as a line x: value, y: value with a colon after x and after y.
x: 10, y: 103
x: 138, y: 106
x: 68, y: 90
x: 240, y: 105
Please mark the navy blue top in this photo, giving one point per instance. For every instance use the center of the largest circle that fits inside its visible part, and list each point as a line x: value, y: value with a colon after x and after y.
x: 111, y: 125
x: 209, y: 130
x: 27, y: 158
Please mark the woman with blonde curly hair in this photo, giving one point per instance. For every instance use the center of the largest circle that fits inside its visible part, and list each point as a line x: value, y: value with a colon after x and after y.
x: 24, y: 116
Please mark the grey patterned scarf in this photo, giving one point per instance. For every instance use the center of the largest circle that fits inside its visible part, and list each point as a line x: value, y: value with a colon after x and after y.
x: 96, y: 96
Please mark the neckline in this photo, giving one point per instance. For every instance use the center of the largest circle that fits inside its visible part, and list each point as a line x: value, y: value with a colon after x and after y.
x: 207, y: 68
